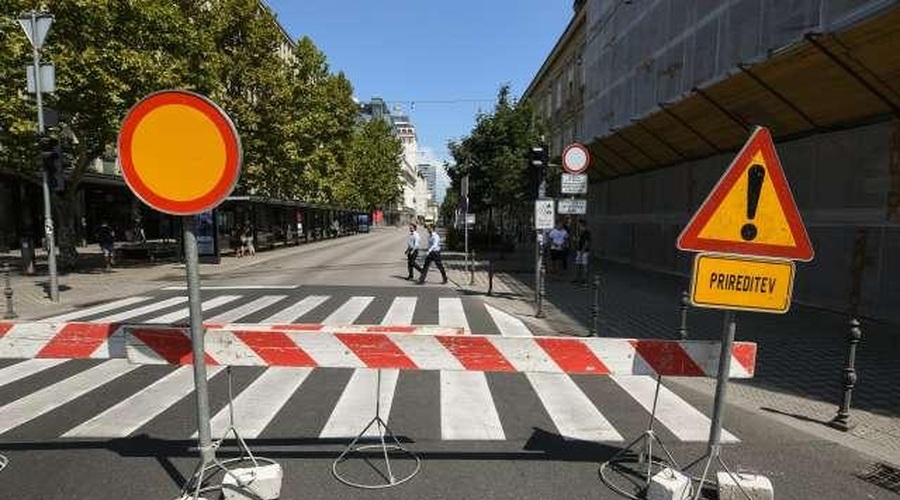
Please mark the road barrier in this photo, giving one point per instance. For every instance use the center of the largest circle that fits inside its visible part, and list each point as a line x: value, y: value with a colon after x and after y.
x: 107, y: 340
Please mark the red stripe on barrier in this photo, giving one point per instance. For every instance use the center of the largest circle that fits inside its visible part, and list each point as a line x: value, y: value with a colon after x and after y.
x: 172, y: 344
x: 298, y: 326
x: 573, y: 356
x: 376, y: 351
x: 391, y: 329
x: 77, y: 340
x: 667, y: 358
x: 476, y: 353
x: 5, y: 327
x: 745, y: 354
x: 275, y: 348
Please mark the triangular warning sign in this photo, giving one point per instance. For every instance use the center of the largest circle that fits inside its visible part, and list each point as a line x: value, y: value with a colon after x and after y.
x: 751, y: 211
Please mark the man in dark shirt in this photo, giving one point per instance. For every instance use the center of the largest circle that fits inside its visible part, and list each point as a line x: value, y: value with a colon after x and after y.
x: 107, y: 240
x: 583, y: 253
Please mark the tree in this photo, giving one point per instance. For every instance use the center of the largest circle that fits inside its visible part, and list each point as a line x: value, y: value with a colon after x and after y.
x: 373, y: 172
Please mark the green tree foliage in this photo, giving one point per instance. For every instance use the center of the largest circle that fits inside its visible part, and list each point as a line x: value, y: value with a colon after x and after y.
x: 297, y: 120
x: 372, y: 179
x: 494, y: 157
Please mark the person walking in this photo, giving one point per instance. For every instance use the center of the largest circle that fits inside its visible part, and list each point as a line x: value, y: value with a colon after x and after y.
x: 433, y: 254
x: 107, y: 239
x: 412, y: 251
x: 583, y: 252
x: 558, y: 239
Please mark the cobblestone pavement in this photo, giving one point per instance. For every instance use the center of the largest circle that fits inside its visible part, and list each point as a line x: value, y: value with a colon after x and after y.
x: 801, y: 354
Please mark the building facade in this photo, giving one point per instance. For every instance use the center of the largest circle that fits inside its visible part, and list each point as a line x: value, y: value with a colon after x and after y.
x: 673, y: 88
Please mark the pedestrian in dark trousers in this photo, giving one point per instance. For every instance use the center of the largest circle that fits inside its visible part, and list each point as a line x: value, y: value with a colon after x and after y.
x: 412, y: 251
x: 433, y: 255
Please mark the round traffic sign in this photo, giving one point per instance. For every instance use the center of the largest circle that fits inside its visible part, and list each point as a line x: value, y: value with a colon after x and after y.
x: 576, y: 158
x: 180, y: 153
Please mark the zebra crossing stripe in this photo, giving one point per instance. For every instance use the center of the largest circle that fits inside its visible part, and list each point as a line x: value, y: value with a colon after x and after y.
x: 297, y: 310
x: 348, y: 312
x: 237, y: 313
x: 25, y: 369
x: 182, y: 313
x: 451, y: 313
x: 574, y: 415
x: 356, y: 405
x: 141, y: 407
x: 468, y: 411
x: 509, y: 325
x: 258, y: 403
x: 401, y: 311
x: 102, y: 308
x: 49, y: 398
x: 682, y: 419
x: 141, y: 311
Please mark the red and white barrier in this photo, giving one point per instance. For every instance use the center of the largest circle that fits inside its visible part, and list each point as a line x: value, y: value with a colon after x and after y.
x: 107, y: 340
x: 487, y: 353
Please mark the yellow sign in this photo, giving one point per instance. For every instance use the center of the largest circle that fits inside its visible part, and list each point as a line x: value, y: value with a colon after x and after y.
x: 751, y: 211
x: 746, y: 283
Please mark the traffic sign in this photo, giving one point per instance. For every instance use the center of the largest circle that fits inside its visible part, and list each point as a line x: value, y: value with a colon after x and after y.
x: 744, y: 283
x: 572, y: 206
x: 180, y: 153
x: 751, y: 210
x: 576, y: 158
x: 36, y: 26
x: 574, y: 183
x: 544, y: 215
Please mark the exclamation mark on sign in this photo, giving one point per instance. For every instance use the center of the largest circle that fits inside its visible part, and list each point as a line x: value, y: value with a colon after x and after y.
x: 755, y: 176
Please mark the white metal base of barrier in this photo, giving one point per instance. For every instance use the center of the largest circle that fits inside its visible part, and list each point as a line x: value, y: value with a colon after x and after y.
x: 640, y: 450
x: 253, y: 483
x: 669, y: 484
x: 388, y: 443
x: 715, y: 455
x: 758, y: 487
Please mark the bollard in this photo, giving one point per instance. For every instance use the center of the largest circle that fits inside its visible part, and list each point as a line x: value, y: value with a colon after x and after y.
x: 841, y: 421
x: 685, y: 303
x: 490, y: 289
x: 595, y: 309
x: 542, y: 272
x: 8, y: 292
x: 472, y: 269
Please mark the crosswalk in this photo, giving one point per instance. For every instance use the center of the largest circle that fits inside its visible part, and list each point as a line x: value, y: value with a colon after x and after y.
x: 116, y: 399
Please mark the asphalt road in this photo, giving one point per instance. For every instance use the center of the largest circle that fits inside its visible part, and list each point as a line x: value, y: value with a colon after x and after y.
x: 103, y: 429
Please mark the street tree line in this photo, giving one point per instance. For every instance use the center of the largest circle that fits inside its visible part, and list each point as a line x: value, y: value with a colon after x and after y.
x: 300, y: 128
x: 493, y: 155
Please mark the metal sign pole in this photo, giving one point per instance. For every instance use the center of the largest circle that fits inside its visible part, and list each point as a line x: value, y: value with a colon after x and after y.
x: 192, y: 266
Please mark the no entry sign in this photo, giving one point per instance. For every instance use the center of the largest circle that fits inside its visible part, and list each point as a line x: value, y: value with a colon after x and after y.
x: 180, y: 153
x: 576, y: 159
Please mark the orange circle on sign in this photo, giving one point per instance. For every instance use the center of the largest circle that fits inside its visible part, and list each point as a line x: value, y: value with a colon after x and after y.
x: 180, y: 153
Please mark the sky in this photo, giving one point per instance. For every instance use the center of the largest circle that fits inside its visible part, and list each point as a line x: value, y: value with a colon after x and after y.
x: 420, y: 54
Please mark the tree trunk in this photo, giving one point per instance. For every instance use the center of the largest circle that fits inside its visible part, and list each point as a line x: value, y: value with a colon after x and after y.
x: 64, y: 206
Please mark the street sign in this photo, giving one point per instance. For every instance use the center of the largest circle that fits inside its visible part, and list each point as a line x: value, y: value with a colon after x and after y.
x: 744, y: 283
x: 576, y: 158
x: 36, y: 26
x: 751, y: 210
x: 464, y: 186
x: 574, y: 183
x: 48, y: 79
x: 470, y: 219
x: 572, y: 206
x: 544, y: 216
x: 180, y: 153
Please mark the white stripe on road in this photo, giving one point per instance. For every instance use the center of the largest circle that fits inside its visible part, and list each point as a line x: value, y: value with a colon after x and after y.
x: 182, y: 313
x: 141, y: 311
x: 26, y: 368
x: 237, y: 287
x: 573, y: 413
x: 509, y: 325
x: 141, y: 407
x: 348, y: 312
x: 259, y: 402
x: 290, y: 314
x: 467, y: 408
x: 451, y: 313
x: 401, y: 311
x: 49, y: 398
x: 102, y: 308
x: 683, y: 420
x: 247, y: 309
x: 356, y: 406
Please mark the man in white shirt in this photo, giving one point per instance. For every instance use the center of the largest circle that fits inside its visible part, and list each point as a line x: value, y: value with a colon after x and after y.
x: 558, y: 239
x: 433, y: 255
x: 412, y: 251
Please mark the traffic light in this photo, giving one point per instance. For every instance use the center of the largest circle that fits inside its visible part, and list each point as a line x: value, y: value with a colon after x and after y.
x: 51, y: 162
x: 538, y: 160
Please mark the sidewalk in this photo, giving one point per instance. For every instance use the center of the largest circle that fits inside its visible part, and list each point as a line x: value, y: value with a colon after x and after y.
x: 800, y: 360
x: 91, y: 284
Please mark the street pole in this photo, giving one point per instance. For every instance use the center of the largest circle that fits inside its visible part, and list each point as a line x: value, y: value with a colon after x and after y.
x: 48, y: 213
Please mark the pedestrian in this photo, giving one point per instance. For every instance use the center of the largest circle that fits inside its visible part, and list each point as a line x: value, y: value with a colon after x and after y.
x: 433, y: 254
x: 107, y: 239
x: 558, y: 238
x: 247, y: 247
x: 412, y: 251
x: 583, y: 252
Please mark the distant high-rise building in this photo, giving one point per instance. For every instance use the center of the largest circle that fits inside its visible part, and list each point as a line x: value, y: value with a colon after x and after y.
x: 405, y: 131
x: 429, y: 172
